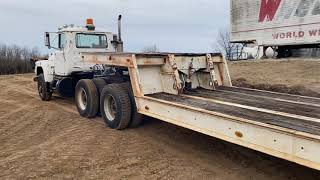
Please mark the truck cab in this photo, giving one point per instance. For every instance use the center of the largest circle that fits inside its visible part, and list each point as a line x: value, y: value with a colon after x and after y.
x: 72, y: 41
x: 65, y: 65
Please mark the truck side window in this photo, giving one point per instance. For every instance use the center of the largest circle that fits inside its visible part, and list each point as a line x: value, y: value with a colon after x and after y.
x: 62, y: 41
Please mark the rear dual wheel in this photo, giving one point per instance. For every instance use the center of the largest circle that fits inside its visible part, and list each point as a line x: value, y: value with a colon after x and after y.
x: 118, y: 107
x: 117, y: 103
x: 136, y: 118
x: 87, y: 98
x: 115, y: 106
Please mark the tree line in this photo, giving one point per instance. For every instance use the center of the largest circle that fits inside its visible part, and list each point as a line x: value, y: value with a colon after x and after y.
x: 16, y: 60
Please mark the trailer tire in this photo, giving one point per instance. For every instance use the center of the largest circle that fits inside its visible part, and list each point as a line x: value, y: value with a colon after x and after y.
x: 44, y: 90
x: 87, y: 98
x: 115, y: 106
x: 136, y: 118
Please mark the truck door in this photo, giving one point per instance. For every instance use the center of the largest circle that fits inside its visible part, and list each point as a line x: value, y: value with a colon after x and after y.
x: 60, y: 60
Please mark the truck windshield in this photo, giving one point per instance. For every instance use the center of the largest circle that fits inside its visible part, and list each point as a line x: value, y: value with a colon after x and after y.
x: 91, y: 41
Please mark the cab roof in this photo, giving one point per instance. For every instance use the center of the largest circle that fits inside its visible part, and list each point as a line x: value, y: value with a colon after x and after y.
x: 72, y: 28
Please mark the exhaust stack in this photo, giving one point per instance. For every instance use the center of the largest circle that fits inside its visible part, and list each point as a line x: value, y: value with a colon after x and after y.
x: 120, y: 42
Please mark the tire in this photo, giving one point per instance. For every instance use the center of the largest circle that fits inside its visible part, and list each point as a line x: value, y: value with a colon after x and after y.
x: 136, y: 118
x: 115, y: 106
x: 100, y: 84
x: 44, y: 90
x: 87, y: 98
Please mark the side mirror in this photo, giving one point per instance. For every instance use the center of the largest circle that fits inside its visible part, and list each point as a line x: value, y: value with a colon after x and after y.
x: 47, y: 39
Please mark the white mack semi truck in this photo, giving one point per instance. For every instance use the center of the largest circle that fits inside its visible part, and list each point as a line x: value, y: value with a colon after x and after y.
x: 186, y: 89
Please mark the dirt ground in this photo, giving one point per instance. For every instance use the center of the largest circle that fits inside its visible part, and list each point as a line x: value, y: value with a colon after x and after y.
x: 48, y: 140
x: 293, y: 76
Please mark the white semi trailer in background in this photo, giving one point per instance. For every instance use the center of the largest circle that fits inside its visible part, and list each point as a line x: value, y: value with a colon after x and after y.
x: 280, y: 24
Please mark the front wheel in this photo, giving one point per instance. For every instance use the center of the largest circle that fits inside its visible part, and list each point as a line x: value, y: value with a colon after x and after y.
x: 44, y: 90
x: 115, y: 106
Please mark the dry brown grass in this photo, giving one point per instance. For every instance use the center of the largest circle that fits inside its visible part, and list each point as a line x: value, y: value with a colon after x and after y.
x: 293, y: 76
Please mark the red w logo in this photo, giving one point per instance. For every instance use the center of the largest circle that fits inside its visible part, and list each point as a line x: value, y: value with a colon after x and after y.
x: 268, y: 9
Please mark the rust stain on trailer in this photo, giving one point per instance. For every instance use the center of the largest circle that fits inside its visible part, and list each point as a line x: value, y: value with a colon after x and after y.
x: 152, y: 62
x: 93, y: 60
x: 238, y: 134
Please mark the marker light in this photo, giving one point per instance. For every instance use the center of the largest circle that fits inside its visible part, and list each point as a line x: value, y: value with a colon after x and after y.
x: 89, y: 22
x: 90, y: 26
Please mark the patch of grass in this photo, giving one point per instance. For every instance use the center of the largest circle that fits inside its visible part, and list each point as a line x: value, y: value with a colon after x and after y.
x: 297, y: 89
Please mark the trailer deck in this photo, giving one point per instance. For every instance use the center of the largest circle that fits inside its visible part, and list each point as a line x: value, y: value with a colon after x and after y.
x: 264, y: 107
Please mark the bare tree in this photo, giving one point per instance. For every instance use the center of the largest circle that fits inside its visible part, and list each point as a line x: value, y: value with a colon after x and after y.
x: 15, y: 59
x: 150, y: 49
x: 224, y: 46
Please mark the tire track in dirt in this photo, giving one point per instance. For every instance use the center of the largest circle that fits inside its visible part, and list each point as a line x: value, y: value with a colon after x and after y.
x: 32, y: 93
x: 14, y: 111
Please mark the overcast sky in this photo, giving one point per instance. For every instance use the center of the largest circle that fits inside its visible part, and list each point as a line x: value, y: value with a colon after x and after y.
x: 173, y: 25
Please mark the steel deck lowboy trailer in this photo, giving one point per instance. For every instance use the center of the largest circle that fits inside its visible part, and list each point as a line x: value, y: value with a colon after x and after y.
x: 189, y: 90
x: 194, y: 91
